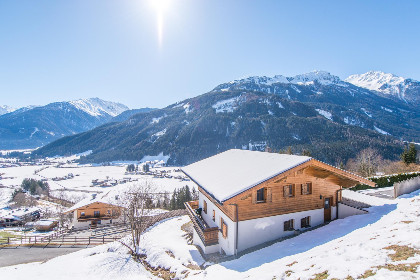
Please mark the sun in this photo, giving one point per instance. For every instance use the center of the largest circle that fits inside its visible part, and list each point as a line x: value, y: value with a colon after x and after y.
x: 161, y: 7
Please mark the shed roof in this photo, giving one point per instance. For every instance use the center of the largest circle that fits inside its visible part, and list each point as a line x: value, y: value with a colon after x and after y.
x: 102, y: 198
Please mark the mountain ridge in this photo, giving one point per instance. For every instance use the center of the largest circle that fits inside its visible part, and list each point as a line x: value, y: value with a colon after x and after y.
x: 35, y: 126
x: 317, y: 112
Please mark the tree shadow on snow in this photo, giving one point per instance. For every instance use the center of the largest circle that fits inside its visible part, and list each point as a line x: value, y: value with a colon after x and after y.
x: 308, y: 240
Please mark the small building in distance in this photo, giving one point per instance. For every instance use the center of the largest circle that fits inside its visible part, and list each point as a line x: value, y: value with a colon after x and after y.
x: 96, y: 210
x: 247, y: 198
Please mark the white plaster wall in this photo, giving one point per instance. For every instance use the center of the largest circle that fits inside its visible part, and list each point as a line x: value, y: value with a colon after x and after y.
x: 333, y: 212
x: 227, y: 244
x: 345, y: 211
x: 257, y: 231
x: 85, y: 224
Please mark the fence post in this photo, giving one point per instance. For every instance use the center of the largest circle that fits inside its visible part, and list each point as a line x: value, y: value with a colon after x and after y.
x: 103, y: 239
x: 8, y: 240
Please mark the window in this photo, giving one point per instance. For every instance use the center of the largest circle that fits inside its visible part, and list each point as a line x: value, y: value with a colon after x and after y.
x: 261, y: 195
x: 289, y: 225
x: 205, y: 206
x: 109, y: 212
x: 305, y: 222
x: 289, y: 191
x: 306, y: 188
x: 224, y: 228
x: 82, y: 214
x: 96, y: 214
x: 214, y: 215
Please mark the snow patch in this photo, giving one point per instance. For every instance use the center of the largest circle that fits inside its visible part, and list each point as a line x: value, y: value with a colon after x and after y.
x: 324, y: 113
x: 227, y: 105
x: 99, y: 107
x: 381, y: 131
x: 159, y: 157
x: 366, y: 112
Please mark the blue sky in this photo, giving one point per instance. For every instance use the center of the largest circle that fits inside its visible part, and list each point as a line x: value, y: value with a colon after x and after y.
x: 64, y: 50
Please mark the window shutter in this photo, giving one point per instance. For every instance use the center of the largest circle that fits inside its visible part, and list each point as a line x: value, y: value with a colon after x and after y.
x: 285, y: 189
x: 269, y: 195
x: 302, y: 191
x: 254, y: 197
x: 293, y: 223
x: 310, y: 188
x: 293, y: 189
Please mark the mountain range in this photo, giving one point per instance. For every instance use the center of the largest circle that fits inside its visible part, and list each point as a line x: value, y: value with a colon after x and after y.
x: 318, y: 112
x: 4, y: 109
x: 35, y: 126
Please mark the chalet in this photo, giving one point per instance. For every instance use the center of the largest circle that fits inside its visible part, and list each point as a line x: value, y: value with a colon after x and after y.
x: 247, y: 198
x: 96, y: 210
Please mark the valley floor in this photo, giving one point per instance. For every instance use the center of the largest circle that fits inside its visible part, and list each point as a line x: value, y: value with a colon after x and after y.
x: 383, y: 244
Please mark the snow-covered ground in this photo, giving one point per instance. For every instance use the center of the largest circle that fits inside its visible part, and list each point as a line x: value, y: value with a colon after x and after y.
x: 164, y: 245
x: 80, y: 185
x: 350, y: 247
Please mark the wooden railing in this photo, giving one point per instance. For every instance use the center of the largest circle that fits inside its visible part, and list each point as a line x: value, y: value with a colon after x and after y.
x: 48, y: 240
x: 209, y: 235
x: 93, y: 217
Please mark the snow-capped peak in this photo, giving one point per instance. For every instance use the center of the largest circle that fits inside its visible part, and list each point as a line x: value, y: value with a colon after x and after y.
x: 263, y: 80
x: 322, y: 77
x: 4, y: 109
x: 98, y: 107
x: 385, y: 83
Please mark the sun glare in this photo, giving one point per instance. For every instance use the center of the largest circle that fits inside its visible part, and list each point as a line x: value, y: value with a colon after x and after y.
x: 161, y: 7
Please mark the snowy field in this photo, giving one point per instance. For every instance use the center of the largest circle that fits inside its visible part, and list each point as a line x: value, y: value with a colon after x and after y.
x: 358, y: 246
x: 80, y: 185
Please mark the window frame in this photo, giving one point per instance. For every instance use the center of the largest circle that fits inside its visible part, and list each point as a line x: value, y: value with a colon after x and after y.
x: 289, y: 225
x: 223, y: 228
x: 306, y: 188
x: 98, y: 215
x: 290, y: 192
x: 305, y: 222
x: 262, y: 192
x: 205, y: 206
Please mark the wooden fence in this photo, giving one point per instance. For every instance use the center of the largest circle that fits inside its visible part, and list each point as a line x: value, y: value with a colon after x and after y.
x: 58, y: 238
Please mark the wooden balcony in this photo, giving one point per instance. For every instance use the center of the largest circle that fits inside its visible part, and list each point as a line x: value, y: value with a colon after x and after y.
x: 94, y: 217
x: 209, y: 235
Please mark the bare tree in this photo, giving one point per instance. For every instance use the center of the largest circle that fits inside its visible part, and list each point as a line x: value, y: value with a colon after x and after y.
x: 366, y: 163
x: 137, y: 212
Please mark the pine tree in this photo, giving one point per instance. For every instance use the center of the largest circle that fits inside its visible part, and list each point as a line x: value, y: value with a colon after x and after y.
x: 410, y: 154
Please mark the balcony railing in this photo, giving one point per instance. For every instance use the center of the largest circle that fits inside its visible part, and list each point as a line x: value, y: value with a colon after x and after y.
x: 209, y: 235
x: 96, y: 217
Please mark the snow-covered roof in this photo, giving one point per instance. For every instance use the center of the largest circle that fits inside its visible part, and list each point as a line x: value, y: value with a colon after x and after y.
x: 234, y: 171
x: 102, y: 198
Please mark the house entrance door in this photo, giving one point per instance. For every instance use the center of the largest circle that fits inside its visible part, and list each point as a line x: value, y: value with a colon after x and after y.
x: 327, y: 209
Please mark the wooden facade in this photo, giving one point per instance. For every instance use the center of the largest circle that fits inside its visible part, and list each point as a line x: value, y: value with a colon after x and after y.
x: 323, y: 181
x: 98, y: 211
